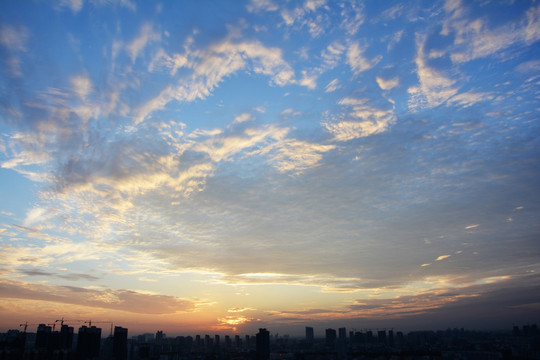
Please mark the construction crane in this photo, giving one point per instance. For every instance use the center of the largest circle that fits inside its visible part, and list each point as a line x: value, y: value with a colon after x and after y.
x: 89, y: 322
x: 26, y: 325
x: 61, y: 321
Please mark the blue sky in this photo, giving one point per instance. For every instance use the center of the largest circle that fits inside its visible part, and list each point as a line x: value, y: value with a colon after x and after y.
x: 181, y: 163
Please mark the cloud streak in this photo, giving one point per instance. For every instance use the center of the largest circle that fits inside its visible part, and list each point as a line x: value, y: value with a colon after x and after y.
x: 120, y: 300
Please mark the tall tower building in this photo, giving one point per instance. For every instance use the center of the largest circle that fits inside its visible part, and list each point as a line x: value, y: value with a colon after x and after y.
x: 42, y: 336
x: 120, y: 349
x: 88, y: 342
x: 342, y: 333
x: 263, y: 344
x: 331, y: 337
x: 309, y: 335
x: 66, y: 337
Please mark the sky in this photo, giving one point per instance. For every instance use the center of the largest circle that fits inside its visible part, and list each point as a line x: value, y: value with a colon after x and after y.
x: 220, y: 166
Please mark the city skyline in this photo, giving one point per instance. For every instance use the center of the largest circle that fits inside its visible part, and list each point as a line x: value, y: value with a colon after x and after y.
x: 226, y: 166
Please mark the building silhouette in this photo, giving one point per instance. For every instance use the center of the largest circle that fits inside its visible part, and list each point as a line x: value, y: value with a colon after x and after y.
x: 66, y: 337
x: 88, y: 342
x: 309, y: 335
x: 263, y: 345
x: 331, y: 337
x: 43, y: 336
x: 120, y: 343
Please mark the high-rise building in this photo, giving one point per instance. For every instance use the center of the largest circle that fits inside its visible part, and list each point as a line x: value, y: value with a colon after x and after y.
x: 263, y: 344
x: 331, y: 337
x: 42, y: 336
x: 309, y: 335
x: 381, y: 336
x: 66, y: 337
x: 88, y: 342
x: 120, y: 348
x: 159, y: 337
x: 342, y: 333
x: 391, y: 337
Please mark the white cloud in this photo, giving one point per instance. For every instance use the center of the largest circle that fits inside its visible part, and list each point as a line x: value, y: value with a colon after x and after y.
x: 434, y: 88
x: 361, y: 120
x: 332, y: 55
x: 82, y: 86
x: 73, y: 5
x: 297, y: 156
x: 313, y: 5
x: 475, y: 39
x: 243, y: 117
x: 210, y: 66
x: 14, y: 38
x: 37, y: 216
x: 333, y: 86
x: 261, y: 5
x: 357, y: 61
x: 124, y: 3
x: 394, y: 39
x: 146, y: 36
x: 469, y: 98
x: 532, y: 30
x: 353, y: 17
x: 309, y: 16
x: 387, y: 84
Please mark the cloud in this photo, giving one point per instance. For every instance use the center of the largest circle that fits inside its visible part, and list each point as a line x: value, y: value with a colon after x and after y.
x: 434, y: 88
x: 305, y: 17
x: 467, y: 306
x: 120, y: 300
x: 327, y: 283
x: 243, y: 117
x: 352, y: 16
x: 332, y: 86
x: 361, y: 120
x: 332, y: 55
x: 239, y: 310
x: 256, y: 6
x: 146, y: 35
x: 73, y: 5
x: 123, y: 3
x: 37, y: 215
x: 82, y: 86
x: 387, y: 84
x: 14, y: 39
x: 442, y: 257
x: 212, y: 65
x: 297, y: 156
x: 356, y: 59
x: 475, y: 39
x: 66, y: 276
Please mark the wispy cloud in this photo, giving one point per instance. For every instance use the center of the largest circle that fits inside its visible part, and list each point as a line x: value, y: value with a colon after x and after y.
x: 387, y: 84
x: 474, y: 38
x: 122, y: 300
x: 357, y: 60
x: 361, y: 120
x: 212, y: 65
x: 434, y: 88
x: 14, y: 39
x: 146, y: 36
